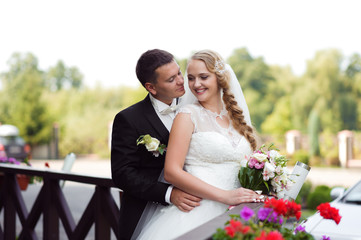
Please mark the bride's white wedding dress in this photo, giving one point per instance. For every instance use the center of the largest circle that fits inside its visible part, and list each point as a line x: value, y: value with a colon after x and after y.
x: 214, y: 156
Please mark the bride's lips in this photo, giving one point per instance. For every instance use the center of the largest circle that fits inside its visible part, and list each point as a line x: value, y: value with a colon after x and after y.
x: 200, y: 91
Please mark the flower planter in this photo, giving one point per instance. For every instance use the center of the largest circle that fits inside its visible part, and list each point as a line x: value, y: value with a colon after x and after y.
x: 22, y: 179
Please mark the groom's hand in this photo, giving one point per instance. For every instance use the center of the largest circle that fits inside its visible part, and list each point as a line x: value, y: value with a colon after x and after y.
x: 184, y: 201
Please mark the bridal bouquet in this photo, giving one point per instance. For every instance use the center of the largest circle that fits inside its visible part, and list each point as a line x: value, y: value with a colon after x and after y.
x: 268, y: 222
x: 265, y: 171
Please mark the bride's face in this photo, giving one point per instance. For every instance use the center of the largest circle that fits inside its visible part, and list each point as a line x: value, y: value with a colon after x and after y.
x: 202, y: 83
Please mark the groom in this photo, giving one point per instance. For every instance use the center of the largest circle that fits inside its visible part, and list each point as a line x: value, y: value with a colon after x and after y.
x: 136, y: 170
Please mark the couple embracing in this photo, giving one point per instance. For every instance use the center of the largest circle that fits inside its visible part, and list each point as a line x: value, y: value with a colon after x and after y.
x: 204, y: 122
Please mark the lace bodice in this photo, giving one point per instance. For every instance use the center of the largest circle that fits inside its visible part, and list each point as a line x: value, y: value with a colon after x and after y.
x: 215, y: 152
x: 205, y: 121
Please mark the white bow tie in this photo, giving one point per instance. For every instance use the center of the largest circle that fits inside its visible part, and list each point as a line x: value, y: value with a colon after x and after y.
x: 168, y: 110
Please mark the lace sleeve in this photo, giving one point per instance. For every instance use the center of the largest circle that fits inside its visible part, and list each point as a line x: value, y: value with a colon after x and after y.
x: 188, y: 109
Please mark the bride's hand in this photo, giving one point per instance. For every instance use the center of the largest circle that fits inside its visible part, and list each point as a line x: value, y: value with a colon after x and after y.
x: 242, y: 195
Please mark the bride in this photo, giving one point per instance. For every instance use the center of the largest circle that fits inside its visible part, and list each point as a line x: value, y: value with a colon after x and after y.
x: 208, y: 140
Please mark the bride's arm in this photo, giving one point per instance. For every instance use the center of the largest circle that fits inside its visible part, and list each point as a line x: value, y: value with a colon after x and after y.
x: 177, y: 149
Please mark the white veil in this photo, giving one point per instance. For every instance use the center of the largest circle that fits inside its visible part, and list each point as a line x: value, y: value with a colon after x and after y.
x: 234, y: 87
x: 149, y: 210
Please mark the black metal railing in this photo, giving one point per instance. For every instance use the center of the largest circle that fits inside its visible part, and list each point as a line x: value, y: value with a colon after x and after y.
x: 50, y: 203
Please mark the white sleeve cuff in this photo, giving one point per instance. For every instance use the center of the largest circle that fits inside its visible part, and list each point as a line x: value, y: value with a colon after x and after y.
x: 168, y: 193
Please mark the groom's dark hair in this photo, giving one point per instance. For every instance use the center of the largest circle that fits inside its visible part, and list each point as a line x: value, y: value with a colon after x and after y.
x: 149, y: 62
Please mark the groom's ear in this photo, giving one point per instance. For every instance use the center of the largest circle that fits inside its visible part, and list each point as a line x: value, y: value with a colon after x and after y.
x: 150, y: 88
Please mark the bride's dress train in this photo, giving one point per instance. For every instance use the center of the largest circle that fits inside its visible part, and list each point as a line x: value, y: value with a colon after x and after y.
x: 214, y: 156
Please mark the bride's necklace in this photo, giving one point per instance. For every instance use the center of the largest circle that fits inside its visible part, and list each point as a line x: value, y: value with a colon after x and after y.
x: 222, y: 113
x: 220, y: 119
x: 226, y: 131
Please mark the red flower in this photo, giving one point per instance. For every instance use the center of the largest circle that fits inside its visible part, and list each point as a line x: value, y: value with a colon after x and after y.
x: 274, y: 235
x: 293, y: 210
x: 262, y: 236
x: 278, y: 205
x: 230, y: 231
x: 234, y: 226
x: 328, y: 212
x: 284, y: 207
x: 245, y: 229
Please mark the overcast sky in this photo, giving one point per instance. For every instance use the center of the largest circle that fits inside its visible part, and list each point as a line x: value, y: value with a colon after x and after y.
x: 104, y: 39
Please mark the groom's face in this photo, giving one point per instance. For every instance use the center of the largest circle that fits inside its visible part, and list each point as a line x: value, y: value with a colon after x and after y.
x: 169, y: 85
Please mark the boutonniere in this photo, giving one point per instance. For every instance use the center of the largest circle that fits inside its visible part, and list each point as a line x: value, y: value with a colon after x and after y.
x: 152, y: 144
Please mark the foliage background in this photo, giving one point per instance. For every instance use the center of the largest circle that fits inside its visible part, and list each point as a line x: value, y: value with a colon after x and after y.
x: 35, y: 99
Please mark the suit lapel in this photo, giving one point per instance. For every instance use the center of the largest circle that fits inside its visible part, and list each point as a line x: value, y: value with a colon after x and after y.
x: 152, y: 117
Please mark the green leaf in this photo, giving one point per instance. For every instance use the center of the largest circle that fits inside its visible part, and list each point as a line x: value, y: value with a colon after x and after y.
x: 252, y: 178
x: 147, y: 139
x: 140, y: 140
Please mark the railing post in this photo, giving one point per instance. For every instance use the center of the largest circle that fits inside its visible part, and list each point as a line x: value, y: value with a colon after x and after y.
x: 102, y: 226
x: 51, y: 216
x: 102, y: 210
x: 9, y: 207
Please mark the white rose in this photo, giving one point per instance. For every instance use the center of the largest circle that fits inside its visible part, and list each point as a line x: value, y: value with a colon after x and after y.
x: 152, y: 145
x: 260, y: 157
x: 244, y: 163
x: 274, y: 154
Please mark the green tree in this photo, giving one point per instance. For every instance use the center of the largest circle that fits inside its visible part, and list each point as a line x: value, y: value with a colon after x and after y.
x: 348, y: 111
x: 302, y: 101
x: 314, y: 129
x: 354, y: 67
x: 320, y: 89
x: 23, y: 105
x: 353, y: 92
x: 280, y: 92
x: 61, y: 76
x: 84, y: 117
x: 255, y: 77
x: 279, y: 121
x: 253, y: 73
x: 183, y: 65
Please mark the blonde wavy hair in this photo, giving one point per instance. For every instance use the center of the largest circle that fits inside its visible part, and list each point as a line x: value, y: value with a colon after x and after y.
x: 211, y: 59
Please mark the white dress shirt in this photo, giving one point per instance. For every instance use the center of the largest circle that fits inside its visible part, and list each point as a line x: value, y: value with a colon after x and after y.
x: 159, y: 106
x: 167, y: 120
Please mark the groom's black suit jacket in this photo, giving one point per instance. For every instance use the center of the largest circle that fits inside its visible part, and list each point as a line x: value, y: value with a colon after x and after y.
x: 134, y: 169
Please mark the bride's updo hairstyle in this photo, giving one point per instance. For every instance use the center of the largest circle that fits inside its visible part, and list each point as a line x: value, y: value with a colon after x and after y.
x: 216, y: 65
